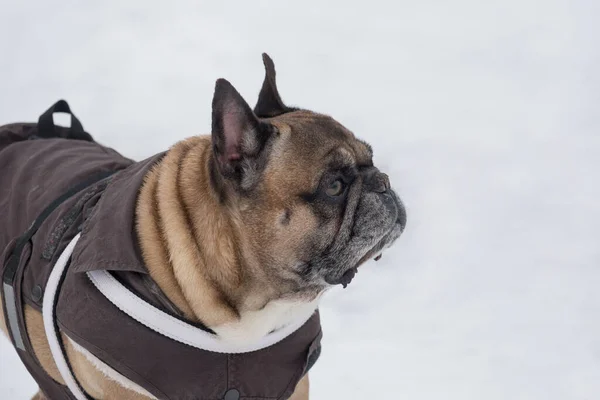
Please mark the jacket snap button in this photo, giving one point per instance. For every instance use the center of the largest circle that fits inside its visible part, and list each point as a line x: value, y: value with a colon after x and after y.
x: 36, y: 293
x: 232, y: 394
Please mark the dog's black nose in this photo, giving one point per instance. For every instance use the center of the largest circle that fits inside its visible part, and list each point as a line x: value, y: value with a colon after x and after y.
x: 375, y: 180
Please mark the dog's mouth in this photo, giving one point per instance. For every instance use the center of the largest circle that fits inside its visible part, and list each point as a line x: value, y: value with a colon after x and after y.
x: 349, y: 275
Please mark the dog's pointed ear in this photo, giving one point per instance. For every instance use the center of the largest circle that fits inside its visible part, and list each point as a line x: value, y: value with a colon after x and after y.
x: 269, y: 102
x: 238, y: 136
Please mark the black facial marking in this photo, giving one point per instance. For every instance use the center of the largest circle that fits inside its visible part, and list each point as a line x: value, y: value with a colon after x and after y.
x: 285, y: 217
x: 269, y: 101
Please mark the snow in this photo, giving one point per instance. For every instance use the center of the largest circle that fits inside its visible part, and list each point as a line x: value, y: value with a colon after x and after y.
x: 483, y: 113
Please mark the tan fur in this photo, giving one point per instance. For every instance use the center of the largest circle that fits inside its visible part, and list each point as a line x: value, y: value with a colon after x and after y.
x: 156, y: 257
x: 39, y: 396
x: 37, y: 337
x: 177, y: 261
x: 3, y: 327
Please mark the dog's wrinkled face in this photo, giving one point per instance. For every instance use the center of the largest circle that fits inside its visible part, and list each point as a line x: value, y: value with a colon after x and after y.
x: 312, y: 206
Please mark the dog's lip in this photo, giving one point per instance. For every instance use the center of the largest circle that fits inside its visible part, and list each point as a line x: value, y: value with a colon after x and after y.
x: 343, y: 279
x: 349, y: 274
x: 375, y: 252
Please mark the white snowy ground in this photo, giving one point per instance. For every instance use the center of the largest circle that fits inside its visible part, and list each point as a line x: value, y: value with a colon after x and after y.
x: 485, y: 114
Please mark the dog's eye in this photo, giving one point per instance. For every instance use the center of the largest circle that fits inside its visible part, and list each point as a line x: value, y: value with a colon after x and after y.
x: 335, y: 188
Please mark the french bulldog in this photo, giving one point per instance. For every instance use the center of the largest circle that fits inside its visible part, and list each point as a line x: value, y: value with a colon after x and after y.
x: 246, y: 228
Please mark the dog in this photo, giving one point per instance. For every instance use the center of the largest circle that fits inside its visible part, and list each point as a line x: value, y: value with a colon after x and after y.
x: 239, y: 234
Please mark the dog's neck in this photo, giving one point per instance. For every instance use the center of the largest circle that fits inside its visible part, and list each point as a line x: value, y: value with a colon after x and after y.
x: 191, y: 248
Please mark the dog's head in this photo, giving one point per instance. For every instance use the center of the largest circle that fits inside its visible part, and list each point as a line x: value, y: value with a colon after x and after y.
x: 311, y: 206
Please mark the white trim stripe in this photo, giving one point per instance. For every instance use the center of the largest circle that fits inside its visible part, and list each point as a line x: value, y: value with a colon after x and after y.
x: 50, y: 297
x: 176, y: 329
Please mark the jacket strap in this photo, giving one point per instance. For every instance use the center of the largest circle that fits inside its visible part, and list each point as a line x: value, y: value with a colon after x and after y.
x: 48, y: 314
x: 179, y: 330
x: 47, y: 129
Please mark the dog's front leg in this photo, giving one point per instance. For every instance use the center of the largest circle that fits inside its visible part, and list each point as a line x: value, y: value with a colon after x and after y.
x: 301, y: 392
x: 39, y: 396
